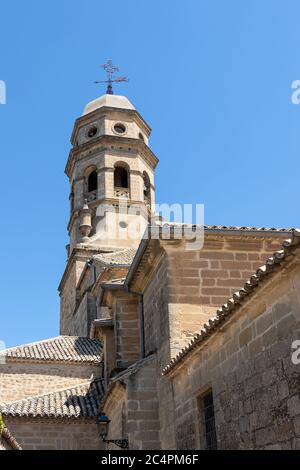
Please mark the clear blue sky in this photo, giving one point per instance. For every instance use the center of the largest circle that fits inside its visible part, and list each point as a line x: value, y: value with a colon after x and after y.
x: 212, y: 78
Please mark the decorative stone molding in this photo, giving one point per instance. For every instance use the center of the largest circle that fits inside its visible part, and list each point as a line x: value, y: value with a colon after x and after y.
x: 122, y: 193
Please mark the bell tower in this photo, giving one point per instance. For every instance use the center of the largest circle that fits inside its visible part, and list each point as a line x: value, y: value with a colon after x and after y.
x: 111, y: 174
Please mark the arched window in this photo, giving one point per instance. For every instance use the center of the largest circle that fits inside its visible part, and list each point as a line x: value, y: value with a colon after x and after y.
x: 72, y: 197
x: 121, y: 177
x: 121, y: 181
x: 146, y: 180
x: 92, y: 182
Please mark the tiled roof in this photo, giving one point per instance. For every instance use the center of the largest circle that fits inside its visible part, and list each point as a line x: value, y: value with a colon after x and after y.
x: 8, y: 440
x: 62, y: 348
x: 247, y: 229
x: 114, y: 282
x: 119, y: 257
x: 242, y: 228
x: 81, y: 401
x: 249, y: 288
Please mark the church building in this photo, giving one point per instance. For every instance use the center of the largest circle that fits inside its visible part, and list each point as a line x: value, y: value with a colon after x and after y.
x: 162, y: 345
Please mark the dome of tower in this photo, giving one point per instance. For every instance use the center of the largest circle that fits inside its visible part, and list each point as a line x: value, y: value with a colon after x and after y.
x: 112, y: 101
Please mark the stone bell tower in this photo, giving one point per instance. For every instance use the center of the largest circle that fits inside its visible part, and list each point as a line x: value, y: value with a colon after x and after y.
x: 111, y: 173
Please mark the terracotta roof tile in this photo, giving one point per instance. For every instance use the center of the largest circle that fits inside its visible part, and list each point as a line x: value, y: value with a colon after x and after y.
x: 237, y: 228
x: 61, y: 348
x: 247, y: 229
x: 119, y: 257
x: 238, y: 297
x: 81, y: 401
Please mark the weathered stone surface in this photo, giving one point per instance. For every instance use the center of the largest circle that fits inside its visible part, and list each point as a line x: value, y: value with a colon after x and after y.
x: 246, y: 363
x: 55, y: 434
x: 256, y: 398
x: 20, y: 380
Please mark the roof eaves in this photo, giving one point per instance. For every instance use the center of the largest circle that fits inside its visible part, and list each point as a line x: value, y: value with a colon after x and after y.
x: 39, y: 406
x: 61, y: 349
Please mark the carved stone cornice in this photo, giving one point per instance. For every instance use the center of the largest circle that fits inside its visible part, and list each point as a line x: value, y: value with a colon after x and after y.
x: 114, y: 202
x: 97, y: 145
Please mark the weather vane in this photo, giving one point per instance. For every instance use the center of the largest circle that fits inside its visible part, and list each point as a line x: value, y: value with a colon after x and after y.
x: 110, y: 70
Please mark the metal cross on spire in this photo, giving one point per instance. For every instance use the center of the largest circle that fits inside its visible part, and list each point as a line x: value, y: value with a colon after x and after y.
x: 110, y: 70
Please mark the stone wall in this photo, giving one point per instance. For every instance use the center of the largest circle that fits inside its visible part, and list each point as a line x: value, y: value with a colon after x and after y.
x: 158, y: 340
x: 210, y: 275
x: 188, y: 286
x: 79, y: 325
x: 85, y: 313
x: 132, y: 407
x: 68, y: 297
x: 116, y: 409
x: 248, y: 366
x: 143, y: 411
x: 55, y: 434
x: 184, y: 291
x: 156, y: 321
x: 127, y: 330
x: 20, y: 380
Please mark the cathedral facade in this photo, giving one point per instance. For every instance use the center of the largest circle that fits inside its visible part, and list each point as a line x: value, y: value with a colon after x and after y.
x: 162, y: 345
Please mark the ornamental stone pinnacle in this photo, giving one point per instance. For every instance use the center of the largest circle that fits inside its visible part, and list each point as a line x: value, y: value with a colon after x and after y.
x: 86, y: 222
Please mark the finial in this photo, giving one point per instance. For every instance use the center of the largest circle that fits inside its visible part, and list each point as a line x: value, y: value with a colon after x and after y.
x: 86, y: 222
x: 110, y: 70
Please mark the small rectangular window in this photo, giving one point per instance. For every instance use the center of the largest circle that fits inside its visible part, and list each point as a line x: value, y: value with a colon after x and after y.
x: 207, y: 421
